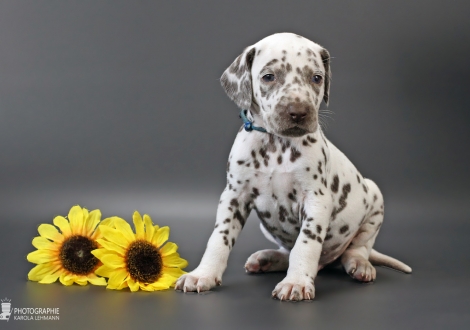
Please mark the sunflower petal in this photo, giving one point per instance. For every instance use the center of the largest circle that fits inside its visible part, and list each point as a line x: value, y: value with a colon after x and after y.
x: 166, y: 281
x: 104, y: 271
x: 40, y: 242
x: 109, y: 221
x: 95, y: 280
x: 125, y: 229
x: 175, y: 272
x: 41, y: 256
x: 65, y: 281
x: 133, y: 285
x: 117, y: 278
x: 100, y: 253
x: 76, y: 219
x: 168, y: 248
x: 139, y: 225
x: 114, y: 236
x: 149, y: 228
x: 69, y: 276
x: 49, y: 279
x: 161, y: 285
x: 113, y: 261
x: 63, y: 225
x: 81, y: 282
x: 91, y: 222
x: 40, y: 271
x: 50, y: 232
x: 86, y: 213
x: 122, y: 286
x: 174, y: 260
x: 161, y: 236
x: 147, y: 287
x: 111, y: 246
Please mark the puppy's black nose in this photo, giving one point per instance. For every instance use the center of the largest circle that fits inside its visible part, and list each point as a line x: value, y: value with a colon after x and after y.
x: 297, y: 111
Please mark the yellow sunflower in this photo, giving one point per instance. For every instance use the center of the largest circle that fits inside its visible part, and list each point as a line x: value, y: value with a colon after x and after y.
x: 66, y: 255
x: 138, y: 260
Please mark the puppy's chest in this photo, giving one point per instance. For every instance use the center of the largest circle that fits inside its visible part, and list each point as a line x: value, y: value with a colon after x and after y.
x: 275, y: 174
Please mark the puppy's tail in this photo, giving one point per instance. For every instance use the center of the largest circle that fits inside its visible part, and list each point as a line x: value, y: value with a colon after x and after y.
x: 379, y: 259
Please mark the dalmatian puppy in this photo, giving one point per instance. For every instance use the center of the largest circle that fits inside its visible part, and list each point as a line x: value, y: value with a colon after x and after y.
x: 310, y: 198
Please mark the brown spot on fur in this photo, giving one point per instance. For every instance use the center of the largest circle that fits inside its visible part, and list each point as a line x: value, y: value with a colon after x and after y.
x: 342, y: 201
x: 319, y: 229
x: 273, y: 61
x: 311, y: 139
x: 282, y: 213
x: 238, y: 216
x: 335, y: 185
x: 294, y: 154
x: 309, y: 234
x: 292, y: 197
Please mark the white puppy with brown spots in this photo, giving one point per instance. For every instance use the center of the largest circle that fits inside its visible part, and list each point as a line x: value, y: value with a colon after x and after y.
x: 310, y: 198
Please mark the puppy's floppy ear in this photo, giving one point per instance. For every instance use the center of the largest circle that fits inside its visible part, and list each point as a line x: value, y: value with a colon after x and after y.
x: 325, y: 56
x: 236, y: 80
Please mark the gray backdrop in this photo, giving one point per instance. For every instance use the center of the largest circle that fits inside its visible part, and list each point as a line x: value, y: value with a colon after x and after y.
x: 117, y: 105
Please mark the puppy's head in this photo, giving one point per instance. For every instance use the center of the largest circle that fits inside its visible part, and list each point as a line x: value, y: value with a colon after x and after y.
x: 282, y: 78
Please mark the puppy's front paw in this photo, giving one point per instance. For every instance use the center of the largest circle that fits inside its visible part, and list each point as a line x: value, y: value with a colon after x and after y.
x: 294, y: 290
x: 196, y: 282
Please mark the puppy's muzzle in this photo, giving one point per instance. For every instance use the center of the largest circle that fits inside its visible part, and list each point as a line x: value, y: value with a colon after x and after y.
x: 298, y: 112
x: 296, y: 118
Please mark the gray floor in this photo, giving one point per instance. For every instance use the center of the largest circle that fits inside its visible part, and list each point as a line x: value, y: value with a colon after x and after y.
x: 431, y: 237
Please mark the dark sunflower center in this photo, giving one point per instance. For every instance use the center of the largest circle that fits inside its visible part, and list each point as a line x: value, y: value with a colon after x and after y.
x: 144, y: 262
x: 75, y: 255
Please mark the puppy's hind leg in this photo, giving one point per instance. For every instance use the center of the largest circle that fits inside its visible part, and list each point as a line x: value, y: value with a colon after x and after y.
x: 269, y: 260
x: 355, y: 259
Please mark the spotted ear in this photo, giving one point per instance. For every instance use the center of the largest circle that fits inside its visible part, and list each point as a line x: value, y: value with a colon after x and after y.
x: 325, y: 56
x: 236, y: 80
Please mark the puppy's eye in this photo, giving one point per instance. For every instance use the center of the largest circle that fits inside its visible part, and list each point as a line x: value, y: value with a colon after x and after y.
x: 268, y: 77
x: 317, y: 79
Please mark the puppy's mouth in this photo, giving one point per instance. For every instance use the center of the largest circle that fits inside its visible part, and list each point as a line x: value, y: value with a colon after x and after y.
x: 295, y: 131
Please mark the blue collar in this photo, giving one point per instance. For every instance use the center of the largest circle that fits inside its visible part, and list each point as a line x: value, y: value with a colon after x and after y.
x: 248, y: 125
